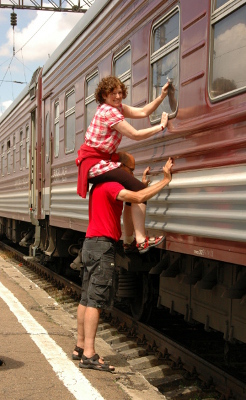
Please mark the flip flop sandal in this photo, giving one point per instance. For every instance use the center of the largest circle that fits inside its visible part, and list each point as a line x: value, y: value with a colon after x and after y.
x: 79, y: 355
x: 93, y: 363
x: 148, y: 243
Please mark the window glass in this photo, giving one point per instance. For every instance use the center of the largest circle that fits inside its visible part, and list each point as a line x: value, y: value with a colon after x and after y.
x: 127, y: 100
x: 70, y: 122
x: 70, y: 100
x: 122, y: 69
x: 166, y: 31
x: 165, y: 64
x: 122, y: 63
x: 70, y: 129
x: 90, y: 101
x: 228, y: 44
x: 56, y: 136
x: 90, y: 111
x: 91, y: 84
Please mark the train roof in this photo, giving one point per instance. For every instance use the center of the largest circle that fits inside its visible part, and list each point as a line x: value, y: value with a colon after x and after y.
x: 79, y: 28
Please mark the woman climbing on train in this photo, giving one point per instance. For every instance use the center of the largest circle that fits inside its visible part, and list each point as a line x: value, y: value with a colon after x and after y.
x: 97, y: 158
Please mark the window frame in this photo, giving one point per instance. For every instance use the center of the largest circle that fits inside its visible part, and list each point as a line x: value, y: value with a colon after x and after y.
x: 27, y: 146
x: 56, y: 122
x: 216, y: 16
x: 47, y: 137
x: 21, y: 150
x: 8, y: 152
x: 91, y: 98
x: 14, y: 152
x: 127, y: 75
x: 168, y: 48
x: 68, y: 113
x: 2, y: 158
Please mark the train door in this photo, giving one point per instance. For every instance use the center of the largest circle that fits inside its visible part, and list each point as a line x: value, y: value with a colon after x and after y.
x: 46, y: 158
x: 33, y: 169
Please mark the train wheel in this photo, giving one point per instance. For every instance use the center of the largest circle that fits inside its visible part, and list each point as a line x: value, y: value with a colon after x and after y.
x: 142, y: 304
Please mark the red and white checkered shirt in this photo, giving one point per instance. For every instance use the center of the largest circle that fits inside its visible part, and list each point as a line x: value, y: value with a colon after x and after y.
x: 101, y: 135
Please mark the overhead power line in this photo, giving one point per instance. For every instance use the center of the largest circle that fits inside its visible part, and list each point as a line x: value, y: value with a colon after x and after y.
x: 3, y: 80
x: 78, y: 6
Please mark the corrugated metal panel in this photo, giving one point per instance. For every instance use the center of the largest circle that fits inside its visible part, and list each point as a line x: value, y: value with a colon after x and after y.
x: 13, y: 203
x: 206, y: 203
x: 66, y: 203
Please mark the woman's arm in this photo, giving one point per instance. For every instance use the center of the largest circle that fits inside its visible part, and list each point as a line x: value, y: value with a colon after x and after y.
x: 127, y: 130
x: 135, y: 112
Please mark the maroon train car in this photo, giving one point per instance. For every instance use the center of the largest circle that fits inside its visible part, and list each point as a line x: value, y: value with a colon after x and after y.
x: 201, y: 267
x: 20, y: 135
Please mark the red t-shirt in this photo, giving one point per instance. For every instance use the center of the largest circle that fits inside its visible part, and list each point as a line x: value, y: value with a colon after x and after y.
x: 105, y: 211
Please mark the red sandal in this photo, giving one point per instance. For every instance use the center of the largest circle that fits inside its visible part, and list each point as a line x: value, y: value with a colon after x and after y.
x: 148, y: 243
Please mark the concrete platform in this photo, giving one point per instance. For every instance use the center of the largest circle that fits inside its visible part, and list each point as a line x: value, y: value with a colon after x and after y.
x: 37, y: 338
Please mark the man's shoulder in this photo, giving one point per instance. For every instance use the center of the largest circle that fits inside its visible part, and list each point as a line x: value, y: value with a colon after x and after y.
x: 108, y: 187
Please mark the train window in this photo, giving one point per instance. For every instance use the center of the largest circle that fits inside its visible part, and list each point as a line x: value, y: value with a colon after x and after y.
x: 27, y: 146
x: 2, y: 160
x: 47, y: 137
x: 8, y: 156
x: 228, y: 43
x: 14, y: 154
x: 165, y: 62
x: 21, y: 149
x: 122, y: 69
x: 70, y: 121
x: 56, y: 130
x: 90, y: 101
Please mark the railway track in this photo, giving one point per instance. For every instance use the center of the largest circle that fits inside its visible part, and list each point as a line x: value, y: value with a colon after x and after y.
x: 175, y: 370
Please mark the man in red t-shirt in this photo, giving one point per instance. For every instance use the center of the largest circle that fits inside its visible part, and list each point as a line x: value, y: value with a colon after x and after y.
x: 98, y: 257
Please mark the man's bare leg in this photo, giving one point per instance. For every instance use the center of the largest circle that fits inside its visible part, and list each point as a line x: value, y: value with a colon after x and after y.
x: 80, y: 327
x: 91, y: 320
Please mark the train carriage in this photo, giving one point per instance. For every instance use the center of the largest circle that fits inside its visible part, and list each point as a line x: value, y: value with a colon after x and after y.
x: 20, y: 132
x: 201, y: 267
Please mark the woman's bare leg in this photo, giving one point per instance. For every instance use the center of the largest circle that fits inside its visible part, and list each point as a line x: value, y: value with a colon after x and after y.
x: 128, y: 224
x: 138, y: 218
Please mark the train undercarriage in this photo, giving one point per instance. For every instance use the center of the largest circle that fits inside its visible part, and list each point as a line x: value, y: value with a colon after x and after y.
x: 206, y: 291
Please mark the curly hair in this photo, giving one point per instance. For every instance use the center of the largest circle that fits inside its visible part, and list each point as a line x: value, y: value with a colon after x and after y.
x: 106, y: 86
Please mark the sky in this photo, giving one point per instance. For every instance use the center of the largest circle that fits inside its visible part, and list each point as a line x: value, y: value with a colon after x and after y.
x: 36, y: 36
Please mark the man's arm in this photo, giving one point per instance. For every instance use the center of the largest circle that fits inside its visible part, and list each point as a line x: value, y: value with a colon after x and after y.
x: 145, y: 194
